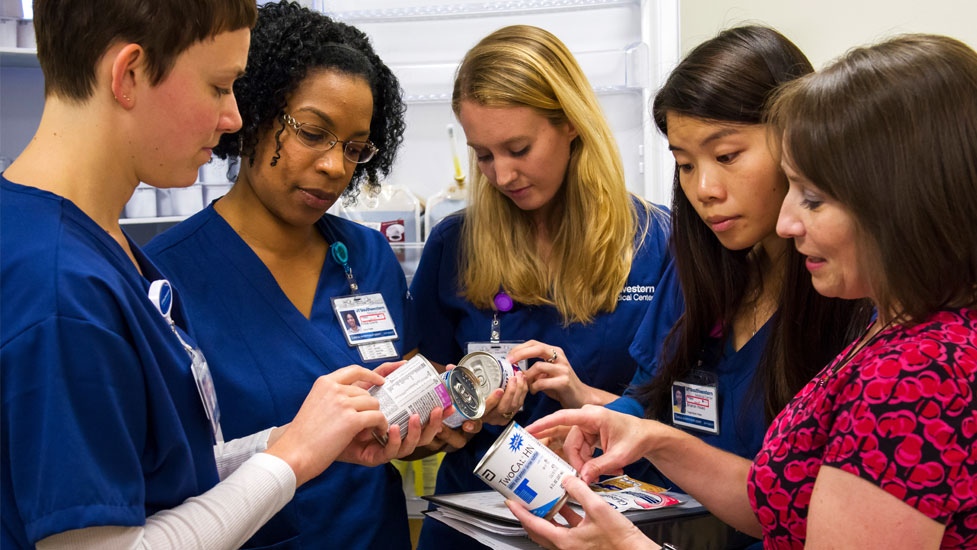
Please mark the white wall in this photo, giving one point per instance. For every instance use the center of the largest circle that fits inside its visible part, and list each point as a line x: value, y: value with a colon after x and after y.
x: 825, y: 29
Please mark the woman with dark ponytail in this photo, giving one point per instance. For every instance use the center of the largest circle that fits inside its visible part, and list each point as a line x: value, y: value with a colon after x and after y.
x: 752, y: 330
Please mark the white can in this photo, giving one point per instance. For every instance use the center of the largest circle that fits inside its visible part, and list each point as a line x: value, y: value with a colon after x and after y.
x: 491, y: 372
x: 521, y: 468
x: 463, y: 390
x: 415, y: 387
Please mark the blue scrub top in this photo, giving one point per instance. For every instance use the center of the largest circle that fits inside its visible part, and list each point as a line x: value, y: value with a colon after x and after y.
x: 102, y: 423
x: 265, y: 356
x: 598, y: 350
x: 741, y: 417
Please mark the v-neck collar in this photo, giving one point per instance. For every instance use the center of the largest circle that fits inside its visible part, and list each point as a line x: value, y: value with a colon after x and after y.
x: 256, y: 274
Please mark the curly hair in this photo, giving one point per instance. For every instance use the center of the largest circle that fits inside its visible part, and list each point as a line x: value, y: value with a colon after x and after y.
x: 287, y: 43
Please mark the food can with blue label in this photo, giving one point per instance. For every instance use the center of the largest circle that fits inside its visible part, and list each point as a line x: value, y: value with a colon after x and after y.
x: 462, y: 387
x: 491, y: 371
x: 415, y: 387
x: 521, y: 468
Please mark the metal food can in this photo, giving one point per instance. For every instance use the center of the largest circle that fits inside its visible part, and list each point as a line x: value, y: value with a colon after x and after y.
x: 415, y: 387
x: 520, y: 467
x: 462, y: 386
x: 491, y: 372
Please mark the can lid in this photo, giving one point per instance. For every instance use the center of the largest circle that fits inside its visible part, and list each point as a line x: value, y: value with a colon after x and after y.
x: 462, y: 386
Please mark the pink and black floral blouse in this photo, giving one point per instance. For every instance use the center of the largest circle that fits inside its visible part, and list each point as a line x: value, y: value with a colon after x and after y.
x: 901, y: 414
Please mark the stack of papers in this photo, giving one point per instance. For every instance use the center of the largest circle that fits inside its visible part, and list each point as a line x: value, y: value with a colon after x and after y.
x: 484, y: 516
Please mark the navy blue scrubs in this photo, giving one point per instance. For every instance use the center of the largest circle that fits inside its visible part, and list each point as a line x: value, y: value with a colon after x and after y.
x: 102, y: 423
x: 598, y: 351
x: 741, y: 417
x: 265, y: 355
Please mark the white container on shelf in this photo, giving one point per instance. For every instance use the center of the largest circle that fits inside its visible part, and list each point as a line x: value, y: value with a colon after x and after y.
x: 408, y: 256
x: 216, y: 178
x: 8, y: 32
x: 219, y: 170
x: 180, y: 201
x: 25, y: 34
x: 142, y: 204
x: 450, y: 199
x: 214, y: 191
x: 441, y: 204
x: 395, y: 211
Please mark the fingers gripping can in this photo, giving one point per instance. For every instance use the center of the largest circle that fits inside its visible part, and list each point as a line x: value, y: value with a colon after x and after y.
x: 490, y: 371
x: 462, y: 386
x: 520, y: 467
x: 415, y: 387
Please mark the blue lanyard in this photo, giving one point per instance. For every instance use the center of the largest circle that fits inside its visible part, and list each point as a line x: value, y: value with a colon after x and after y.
x: 340, y: 255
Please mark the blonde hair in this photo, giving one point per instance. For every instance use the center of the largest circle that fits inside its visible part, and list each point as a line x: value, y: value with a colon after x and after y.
x: 594, y: 235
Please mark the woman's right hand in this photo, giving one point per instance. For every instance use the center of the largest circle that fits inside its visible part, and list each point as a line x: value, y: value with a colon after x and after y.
x: 335, y: 411
x: 624, y: 439
x: 601, y: 528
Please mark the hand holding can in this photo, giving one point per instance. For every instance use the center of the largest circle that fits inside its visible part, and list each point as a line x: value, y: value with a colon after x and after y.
x: 414, y: 388
x: 521, y: 468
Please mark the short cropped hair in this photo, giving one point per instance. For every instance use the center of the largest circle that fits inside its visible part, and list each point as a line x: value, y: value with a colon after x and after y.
x: 72, y: 35
x: 890, y: 132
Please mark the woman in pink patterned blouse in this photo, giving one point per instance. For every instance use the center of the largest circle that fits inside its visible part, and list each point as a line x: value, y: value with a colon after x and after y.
x: 880, y: 449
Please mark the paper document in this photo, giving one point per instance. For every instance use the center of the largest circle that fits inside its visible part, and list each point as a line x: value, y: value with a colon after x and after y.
x: 492, y: 540
x: 487, y: 511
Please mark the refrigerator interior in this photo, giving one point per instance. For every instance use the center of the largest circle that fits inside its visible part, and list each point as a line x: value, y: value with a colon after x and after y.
x: 626, y: 47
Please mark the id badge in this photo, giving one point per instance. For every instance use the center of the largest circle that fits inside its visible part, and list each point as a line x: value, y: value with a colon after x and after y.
x: 364, y: 318
x: 367, y: 325
x: 161, y: 295
x: 205, y: 387
x: 695, y: 402
x: 499, y: 350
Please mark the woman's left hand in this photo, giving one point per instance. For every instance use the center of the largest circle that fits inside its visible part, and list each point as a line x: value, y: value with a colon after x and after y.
x: 552, y: 375
x: 603, y: 527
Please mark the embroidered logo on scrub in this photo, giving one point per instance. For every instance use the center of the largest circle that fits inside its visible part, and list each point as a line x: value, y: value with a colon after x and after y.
x: 636, y: 293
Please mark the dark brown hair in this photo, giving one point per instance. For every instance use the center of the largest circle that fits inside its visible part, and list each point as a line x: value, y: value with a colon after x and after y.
x: 729, y: 79
x: 72, y: 35
x: 890, y: 132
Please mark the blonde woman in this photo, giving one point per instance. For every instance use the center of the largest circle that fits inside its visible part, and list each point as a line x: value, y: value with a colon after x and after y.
x: 552, y: 259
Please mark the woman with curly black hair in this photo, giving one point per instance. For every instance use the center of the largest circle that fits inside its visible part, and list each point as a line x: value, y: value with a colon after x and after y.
x: 267, y: 273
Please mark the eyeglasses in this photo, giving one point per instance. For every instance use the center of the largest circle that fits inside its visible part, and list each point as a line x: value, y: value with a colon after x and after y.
x: 320, y: 139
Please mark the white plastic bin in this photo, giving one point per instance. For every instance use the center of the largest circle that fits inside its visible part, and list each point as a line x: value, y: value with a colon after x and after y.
x: 180, y: 201
x: 142, y: 204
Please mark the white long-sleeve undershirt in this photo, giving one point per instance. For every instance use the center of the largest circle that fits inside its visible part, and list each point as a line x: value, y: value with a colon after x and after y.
x: 254, y: 487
